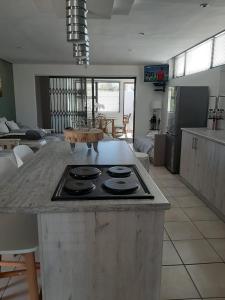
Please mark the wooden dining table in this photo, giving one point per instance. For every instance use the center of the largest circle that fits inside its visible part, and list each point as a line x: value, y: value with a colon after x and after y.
x: 104, y: 122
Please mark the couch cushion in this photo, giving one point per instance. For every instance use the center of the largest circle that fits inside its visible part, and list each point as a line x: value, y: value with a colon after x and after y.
x: 12, y: 125
x: 36, y: 134
x: 3, y: 128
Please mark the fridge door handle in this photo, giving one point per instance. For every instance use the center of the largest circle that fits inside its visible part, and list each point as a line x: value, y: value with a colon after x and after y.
x: 196, y: 143
x: 193, y: 143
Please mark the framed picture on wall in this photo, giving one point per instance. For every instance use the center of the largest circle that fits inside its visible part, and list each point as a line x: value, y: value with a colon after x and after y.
x: 1, y: 93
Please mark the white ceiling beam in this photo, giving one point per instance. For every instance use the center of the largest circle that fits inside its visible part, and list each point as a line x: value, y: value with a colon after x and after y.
x: 97, y: 9
x: 122, y: 7
x: 100, y: 9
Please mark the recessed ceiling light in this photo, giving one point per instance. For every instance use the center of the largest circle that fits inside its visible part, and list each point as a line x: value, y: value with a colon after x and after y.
x: 204, y: 5
x: 141, y: 33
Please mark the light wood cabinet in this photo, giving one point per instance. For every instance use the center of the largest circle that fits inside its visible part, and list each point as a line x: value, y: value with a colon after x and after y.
x: 190, y: 161
x: 203, y: 167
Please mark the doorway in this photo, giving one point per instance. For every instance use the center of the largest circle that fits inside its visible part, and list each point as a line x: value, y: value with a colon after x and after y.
x: 78, y: 101
x: 128, y: 107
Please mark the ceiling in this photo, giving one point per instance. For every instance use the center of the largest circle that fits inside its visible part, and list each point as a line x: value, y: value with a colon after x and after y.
x: 33, y: 31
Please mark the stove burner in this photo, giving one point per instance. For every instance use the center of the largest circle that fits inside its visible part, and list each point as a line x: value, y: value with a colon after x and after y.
x: 78, y: 187
x: 120, y: 186
x: 85, y: 172
x: 119, y: 171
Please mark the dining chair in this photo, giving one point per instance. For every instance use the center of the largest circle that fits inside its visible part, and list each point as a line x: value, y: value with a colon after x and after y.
x: 19, y: 236
x: 120, y: 130
x: 22, y: 154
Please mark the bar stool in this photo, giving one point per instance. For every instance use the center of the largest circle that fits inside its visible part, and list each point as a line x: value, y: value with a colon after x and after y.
x: 22, y: 154
x: 19, y: 236
x: 144, y: 159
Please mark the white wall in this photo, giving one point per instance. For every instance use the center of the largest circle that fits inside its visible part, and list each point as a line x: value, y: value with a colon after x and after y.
x: 24, y: 82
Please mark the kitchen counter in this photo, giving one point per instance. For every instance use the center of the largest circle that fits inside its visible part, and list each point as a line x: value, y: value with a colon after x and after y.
x: 102, y: 249
x: 217, y: 136
x: 31, y: 189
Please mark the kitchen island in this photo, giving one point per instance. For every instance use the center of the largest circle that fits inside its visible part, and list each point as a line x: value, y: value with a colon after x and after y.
x: 99, y: 249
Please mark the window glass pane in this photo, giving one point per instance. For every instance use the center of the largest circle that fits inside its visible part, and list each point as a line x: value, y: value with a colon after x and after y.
x: 108, y: 96
x: 199, y: 58
x: 179, y: 65
x: 219, y: 50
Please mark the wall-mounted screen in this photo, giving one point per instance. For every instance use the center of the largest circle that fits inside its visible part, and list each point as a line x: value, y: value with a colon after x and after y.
x: 156, y: 73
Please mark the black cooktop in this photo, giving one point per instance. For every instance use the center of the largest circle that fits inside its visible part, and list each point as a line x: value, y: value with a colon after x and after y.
x: 101, y: 182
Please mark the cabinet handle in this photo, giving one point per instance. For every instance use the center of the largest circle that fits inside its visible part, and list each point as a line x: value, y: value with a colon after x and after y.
x: 196, y: 144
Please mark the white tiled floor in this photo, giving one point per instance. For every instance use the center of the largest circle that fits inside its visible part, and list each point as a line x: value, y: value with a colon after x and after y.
x: 193, y: 248
x: 194, y: 244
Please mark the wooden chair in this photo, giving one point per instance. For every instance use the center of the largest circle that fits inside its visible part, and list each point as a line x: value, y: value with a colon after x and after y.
x: 122, y: 129
x: 101, y: 123
x: 19, y: 236
x: 126, y: 120
x: 22, y: 154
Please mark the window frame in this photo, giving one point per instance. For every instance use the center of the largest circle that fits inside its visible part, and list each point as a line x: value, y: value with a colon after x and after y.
x: 213, y: 38
x: 214, y: 45
x: 209, y: 58
x: 108, y: 81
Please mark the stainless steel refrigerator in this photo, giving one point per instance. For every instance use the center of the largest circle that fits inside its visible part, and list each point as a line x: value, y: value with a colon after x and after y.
x: 187, y: 107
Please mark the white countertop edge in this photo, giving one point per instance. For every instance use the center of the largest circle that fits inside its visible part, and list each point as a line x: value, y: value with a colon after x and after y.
x: 213, y: 135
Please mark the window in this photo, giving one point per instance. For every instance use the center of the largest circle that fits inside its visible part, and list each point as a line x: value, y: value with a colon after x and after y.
x: 179, y: 65
x: 108, y: 96
x: 219, y: 50
x: 199, y: 58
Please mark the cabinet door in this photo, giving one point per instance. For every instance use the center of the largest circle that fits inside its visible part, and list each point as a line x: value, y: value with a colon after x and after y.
x: 219, y: 180
x: 188, y: 165
x: 199, y: 146
x: 206, y: 152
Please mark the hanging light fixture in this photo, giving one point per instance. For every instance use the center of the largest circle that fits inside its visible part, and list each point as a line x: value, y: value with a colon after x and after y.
x: 82, y: 61
x: 76, y: 21
x: 81, y: 50
x: 77, y: 33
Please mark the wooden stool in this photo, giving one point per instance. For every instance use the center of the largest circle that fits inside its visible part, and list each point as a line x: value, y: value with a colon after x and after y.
x: 18, y: 236
x: 84, y: 135
x: 144, y: 159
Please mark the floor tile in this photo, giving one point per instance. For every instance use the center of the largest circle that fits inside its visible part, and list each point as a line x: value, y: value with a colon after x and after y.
x: 176, y: 284
x: 179, y: 191
x: 175, y: 214
x: 211, y: 229
x: 171, y: 182
x: 209, y: 279
x: 172, y: 201
x: 219, y: 246
x: 165, y: 236
x: 170, y: 256
x: 200, y: 214
x: 182, y: 231
x: 160, y: 171
x: 189, y: 201
x: 196, y: 251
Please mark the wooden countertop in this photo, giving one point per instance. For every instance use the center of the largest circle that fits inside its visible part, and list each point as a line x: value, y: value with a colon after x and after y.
x: 217, y: 136
x: 31, y: 188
